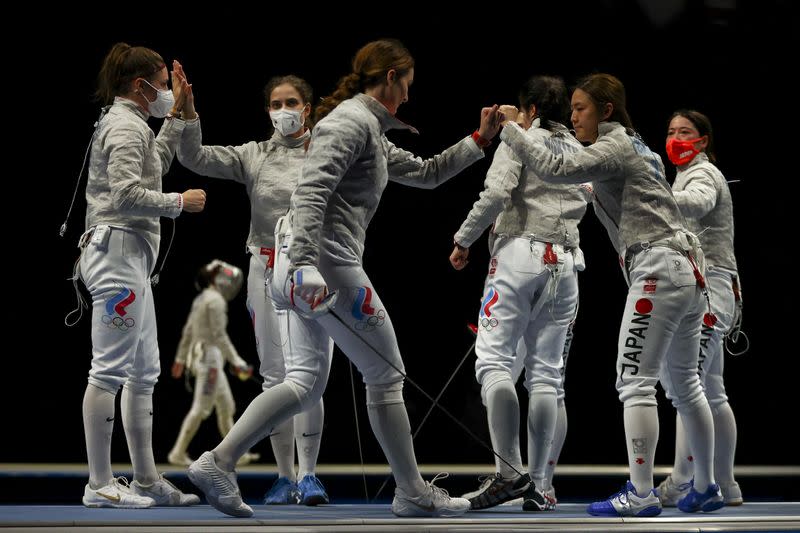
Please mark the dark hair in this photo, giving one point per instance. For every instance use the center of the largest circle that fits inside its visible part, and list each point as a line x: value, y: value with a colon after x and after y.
x: 607, y: 89
x: 703, y: 125
x: 123, y: 64
x: 301, y: 85
x: 549, y: 95
x: 370, y: 66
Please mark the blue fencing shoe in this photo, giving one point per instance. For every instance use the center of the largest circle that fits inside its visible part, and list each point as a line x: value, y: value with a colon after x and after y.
x: 710, y: 500
x: 282, y: 492
x: 627, y: 503
x: 311, y: 491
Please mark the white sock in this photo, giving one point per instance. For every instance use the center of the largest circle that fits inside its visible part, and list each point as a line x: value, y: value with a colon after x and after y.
x: 542, y: 416
x: 98, y: 426
x: 502, y: 409
x: 282, y: 440
x: 559, y: 437
x: 137, y: 418
x: 308, y: 435
x: 267, y: 410
x: 724, y: 443
x: 641, y: 435
x: 699, y: 427
x: 188, y: 430
x: 683, y: 469
x: 389, y: 420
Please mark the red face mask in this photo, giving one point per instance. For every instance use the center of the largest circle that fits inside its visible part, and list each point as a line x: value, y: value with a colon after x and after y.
x: 681, y: 152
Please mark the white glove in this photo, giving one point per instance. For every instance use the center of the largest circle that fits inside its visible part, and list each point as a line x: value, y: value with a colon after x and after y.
x: 309, y: 292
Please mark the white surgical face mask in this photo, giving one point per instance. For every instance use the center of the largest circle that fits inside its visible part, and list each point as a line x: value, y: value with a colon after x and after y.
x: 287, y: 121
x: 161, y: 106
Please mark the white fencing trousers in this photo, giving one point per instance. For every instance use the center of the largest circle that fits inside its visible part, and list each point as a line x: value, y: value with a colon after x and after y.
x: 519, y: 363
x: 363, y: 330
x: 712, y: 347
x: 710, y: 368
x: 526, y: 299
x: 266, y: 326
x: 270, y: 327
x: 365, y: 326
x: 660, y: 330
x: 660, y: 336
x: 211, y: 387
x: 530, y: 299
x: 115, y: 267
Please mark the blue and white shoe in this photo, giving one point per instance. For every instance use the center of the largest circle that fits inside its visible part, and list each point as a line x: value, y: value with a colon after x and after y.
x: 311, y: 491
x: 627, y: 503
x: 670, y: 493
x: 710, y: 500
x: 282, y: 492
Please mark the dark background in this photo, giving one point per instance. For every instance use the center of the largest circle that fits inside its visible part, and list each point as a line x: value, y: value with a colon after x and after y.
x: 732, y: 62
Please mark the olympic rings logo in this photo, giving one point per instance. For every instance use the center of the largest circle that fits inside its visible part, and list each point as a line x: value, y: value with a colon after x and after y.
x: 373, y: 322
x: 489, y: 323
x: 123, y: 324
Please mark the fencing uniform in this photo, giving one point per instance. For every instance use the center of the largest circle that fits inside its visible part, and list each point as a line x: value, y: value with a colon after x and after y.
x: 704, y: 198
x: 269, y: 170
x: 530, y: 296
x: 664, y: 309
x: 204, y: 349
x: 119, y: 250
x: 348, y: 165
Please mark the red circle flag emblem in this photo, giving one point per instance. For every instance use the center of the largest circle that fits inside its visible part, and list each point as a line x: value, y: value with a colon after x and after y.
x: 644, y: 306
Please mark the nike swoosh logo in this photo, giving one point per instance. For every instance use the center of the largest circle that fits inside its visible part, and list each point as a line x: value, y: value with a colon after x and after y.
x: 110, y: 419
x: 114, y: 499
x: 311, y: 434
x: 427, y: 508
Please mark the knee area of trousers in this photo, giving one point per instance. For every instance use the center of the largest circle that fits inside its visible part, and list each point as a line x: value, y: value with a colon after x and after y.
x: 385, y: 394
x: 642, y: 400
x: 494, y: 379
x: 690, y: 403
x: 543, y: 389
x: 308, y: 393
x: 198, y: 415
x: 271, y: 381
x: 108, y: 385
x: 140, y: 387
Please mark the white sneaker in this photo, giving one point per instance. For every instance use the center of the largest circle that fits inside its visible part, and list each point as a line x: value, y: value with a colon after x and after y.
x: 116, y: 494
x: 485, y: 481
x: 433, y: 502
x: 165, y: 493
x: 220, y: 487
x: 179, y: 459
x: 732, y: 494
x: 669, y: 492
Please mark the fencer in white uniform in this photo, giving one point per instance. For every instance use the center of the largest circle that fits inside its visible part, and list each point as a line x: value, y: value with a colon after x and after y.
x: 118, y: 254
x: 270, y: 170
x: 703, y: 195
x: 203, y: 351
x: 530, y: 296
x: 349, y: 163
x: 665, y: 307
